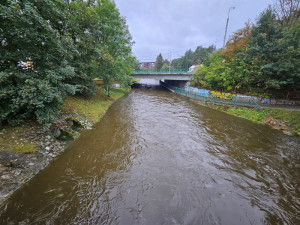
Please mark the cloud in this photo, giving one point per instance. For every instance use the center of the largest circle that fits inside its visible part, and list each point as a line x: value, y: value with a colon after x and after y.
x: 160, y: 26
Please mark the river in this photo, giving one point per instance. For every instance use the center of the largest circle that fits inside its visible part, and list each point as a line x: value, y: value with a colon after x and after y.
x: 158, y: 158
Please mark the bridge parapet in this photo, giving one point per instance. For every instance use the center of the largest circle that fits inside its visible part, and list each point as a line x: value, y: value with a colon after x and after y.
x: 161, y: 72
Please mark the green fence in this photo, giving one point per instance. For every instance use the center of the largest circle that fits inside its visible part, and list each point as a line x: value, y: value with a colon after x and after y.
x: 224, y: 99
x: 159, y: 71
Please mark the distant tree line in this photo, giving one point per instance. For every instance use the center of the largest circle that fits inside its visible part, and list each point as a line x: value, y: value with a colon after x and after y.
x: 261, y: 58
x: 53, y: 48
x: 200, y: 56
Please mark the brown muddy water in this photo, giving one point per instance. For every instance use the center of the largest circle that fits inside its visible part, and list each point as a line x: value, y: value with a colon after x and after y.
x: 157, y: 158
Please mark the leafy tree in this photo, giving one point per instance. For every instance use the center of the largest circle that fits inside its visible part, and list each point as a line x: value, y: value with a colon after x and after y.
x: 237, y: 42
x: 137, y: 65
x: 200, y: 56
x: 276, y: 49
x: 83, y: 28
x: 116, y: 43
x: 33, y: 32
x: 159, y: 62
x: 199, y: 77
x: 165, y: 67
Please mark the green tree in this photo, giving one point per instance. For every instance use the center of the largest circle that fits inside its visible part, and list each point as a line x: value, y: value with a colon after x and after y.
x: 165, y: 67
x: 83, y: 24
x: 33, y: 32
x: 276, y: 51
x: 159, y: 62
x: 115, y: 49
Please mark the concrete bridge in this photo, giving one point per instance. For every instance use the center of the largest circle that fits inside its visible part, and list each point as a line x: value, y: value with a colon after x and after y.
x: 164, y: 76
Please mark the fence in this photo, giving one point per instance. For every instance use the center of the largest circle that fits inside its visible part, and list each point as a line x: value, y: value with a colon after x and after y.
x: 211, y: 96
x: 159, y: 71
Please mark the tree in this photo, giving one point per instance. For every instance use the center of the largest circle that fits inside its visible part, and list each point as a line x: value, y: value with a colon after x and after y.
x: 33, y: 32
x: 199, y: 77
x: 83, y: 24
x: 165, y: 67
x: 275, y: 48
x: 237, y: 42
x: 287, y: 11
x: 115, y: 49
x: 159, y: 62
x: 137, y: 65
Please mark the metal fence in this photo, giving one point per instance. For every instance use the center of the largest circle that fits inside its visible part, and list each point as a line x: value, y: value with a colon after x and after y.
x: 173, y: 71
x: 223, y: 98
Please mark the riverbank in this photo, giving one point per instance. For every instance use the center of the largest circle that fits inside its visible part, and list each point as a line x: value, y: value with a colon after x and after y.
x: 285, y: 120
x: 27, y: 148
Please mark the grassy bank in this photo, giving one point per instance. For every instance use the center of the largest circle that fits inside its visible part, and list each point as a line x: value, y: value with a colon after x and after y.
x: 91, y: 107
x: 23, y: 138
x: 285, y: 120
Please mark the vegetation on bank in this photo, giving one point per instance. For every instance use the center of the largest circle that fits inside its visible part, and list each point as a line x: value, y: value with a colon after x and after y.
x: 17, y: 139
x: 261, y: 58
x: 24, y: 137
x: 92, y: 107
x: 50, y: 49
x: 281, y: 119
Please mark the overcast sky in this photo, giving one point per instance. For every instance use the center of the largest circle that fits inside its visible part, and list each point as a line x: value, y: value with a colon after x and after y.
x: 159, y: 26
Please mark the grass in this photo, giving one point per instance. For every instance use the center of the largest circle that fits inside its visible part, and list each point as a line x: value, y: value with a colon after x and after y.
x: 15, y: 138
x: 287, y: 120
x: 292, y: 118
x: 250, y: 114
x: 92, y: 107
x: 136, y: 79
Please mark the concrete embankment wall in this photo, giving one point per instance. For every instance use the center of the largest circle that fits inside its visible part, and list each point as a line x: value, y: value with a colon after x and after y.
x: 259, y: 100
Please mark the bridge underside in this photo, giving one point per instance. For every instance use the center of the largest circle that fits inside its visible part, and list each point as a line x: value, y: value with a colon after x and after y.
x: 164, y: 76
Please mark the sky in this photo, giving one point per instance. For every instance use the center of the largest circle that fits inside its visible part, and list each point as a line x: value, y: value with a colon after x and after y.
x: 172, y: 27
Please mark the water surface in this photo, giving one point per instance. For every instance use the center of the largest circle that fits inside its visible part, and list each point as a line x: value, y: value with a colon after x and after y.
x: 157, y: 158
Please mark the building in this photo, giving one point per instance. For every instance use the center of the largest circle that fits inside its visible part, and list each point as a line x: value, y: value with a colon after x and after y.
x: 149, y: 65
x: 194, y: 68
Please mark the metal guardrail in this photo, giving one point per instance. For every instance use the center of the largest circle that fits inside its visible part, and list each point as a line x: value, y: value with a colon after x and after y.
x: 160, y: 71
x: 224, y: 99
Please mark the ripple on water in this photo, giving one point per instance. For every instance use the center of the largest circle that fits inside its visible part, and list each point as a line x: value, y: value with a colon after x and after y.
x: 157, y: 158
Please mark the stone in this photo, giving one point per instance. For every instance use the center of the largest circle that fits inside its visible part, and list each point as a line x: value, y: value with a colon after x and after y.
x: 6, y: 177
x: 17, y: 172
x: 287, y: 133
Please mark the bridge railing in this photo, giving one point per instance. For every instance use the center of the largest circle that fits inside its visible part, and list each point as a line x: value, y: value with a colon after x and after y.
x: 218, y: 98
x: 172, y: 71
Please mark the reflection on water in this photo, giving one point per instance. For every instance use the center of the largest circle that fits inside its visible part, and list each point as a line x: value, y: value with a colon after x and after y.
x: 157, y: 158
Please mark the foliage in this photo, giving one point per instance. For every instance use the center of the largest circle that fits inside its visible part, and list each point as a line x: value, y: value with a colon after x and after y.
x: 237, y: 42
x: 277, y: 49
x: 200, y: 56
x: 32, y: 32
x: 279, y: 118
x: 165, y: 66
x: 53, y: 48
x: 115, y: 61
x: 159, y: 62
x: 287, y: 11
x: 292, y: 118
x: 263, y: 59
x: 92, y: 107
x: 250, y: 114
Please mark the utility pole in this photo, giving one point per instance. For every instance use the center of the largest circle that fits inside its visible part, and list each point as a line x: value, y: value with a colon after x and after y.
x: 227, y: 26
x: 169, y: 61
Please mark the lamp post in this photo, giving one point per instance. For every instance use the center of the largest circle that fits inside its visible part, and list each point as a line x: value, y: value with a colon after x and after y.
x: 170, y: 61
x: 227, y: 26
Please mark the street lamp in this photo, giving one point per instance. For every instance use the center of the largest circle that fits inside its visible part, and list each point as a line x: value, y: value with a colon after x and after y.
x: 227, y: 26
